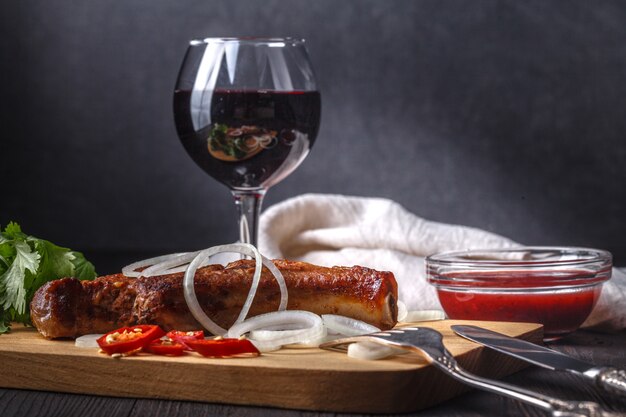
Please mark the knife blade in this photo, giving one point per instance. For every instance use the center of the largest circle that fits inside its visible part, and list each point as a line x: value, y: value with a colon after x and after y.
x: 611, y: 379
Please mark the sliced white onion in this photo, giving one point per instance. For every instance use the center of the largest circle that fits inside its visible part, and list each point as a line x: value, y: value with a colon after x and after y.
x: 190, y: 292
x: 158, y: 271
x: 272, y: 335
x: 170, y: 266
x: 280, y: 280
x: 189, y: 262
x: 304, y: 338
x: 167, y: 264
x: 402, y: 311
x: 424, y: 315
x: 87, y: 341
x: 312, y: 328
x: 371, y: 351
x: 289, y: 326
x: 131, y: 270
x: 304, y: 319
x: 269, y: 335
x: 347, y: 326
x: 311, y: 343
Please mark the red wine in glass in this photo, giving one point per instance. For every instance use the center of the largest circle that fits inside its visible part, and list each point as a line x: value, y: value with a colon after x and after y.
x: 256, y: 137
x: 247, y: 111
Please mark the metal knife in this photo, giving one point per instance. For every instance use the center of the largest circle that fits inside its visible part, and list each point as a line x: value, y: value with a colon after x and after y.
x: 612, y: 380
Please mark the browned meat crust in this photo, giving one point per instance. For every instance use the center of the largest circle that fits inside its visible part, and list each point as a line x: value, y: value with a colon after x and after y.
x: 70, y: 308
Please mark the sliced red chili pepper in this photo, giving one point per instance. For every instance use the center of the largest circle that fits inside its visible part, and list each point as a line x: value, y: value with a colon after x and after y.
x: 165, y: 347
x: 129, y: 339
x: 182, y: 337
x: 224, y: 348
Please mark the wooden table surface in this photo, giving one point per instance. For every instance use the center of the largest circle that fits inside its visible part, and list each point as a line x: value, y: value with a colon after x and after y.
x: 599, y: 348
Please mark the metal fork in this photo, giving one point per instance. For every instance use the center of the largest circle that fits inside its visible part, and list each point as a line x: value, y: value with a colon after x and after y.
x: 429, y: 342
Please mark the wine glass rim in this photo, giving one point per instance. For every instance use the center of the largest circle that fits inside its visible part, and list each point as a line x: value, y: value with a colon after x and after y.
x: 252, y: 40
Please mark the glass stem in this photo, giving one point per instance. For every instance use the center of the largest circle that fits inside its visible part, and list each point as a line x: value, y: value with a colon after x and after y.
x: 248, y: 209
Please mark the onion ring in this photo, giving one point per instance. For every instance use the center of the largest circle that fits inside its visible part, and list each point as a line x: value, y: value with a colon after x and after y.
x: 190, y: 292
x: 130, y: 270
x: 372, y: 351
x: 402, y: 311
x: 265, y: 335
x: 87, y: 341
x: 170, y: 266
x: 312, y: 328
x: 189, y: 262
x: 424, y: 315
x: 347, y: 326
x: 284, y: 293
x: 270, y: 336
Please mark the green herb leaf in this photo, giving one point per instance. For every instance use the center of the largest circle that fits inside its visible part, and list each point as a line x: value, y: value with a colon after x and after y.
x: 12, y: 290
x: 14, y: 231
x: 83, y: 269
x: 56, y: 262
x: 26, y: 263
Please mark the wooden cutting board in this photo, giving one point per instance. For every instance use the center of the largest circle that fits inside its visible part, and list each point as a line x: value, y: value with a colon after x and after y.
x: 302, y: 378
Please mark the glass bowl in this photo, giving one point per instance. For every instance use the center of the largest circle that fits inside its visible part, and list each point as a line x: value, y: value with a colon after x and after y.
x: 555, y: 286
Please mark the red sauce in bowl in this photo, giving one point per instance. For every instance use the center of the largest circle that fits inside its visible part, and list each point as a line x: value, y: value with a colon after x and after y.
x: 560, y: 310
x: 557, y: 287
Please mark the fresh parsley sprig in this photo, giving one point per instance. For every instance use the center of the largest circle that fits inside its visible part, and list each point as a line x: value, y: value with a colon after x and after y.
x: 26, y: 263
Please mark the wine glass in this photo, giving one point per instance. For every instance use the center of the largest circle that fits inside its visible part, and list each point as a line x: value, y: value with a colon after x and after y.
x: 247, y: 111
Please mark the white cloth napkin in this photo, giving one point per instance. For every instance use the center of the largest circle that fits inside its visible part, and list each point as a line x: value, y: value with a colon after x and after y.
x: 378, y: 233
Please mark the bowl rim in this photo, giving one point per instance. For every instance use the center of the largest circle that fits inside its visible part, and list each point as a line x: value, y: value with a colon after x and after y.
x: 579, y: 256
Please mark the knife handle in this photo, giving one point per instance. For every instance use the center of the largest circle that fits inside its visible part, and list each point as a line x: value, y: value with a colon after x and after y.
x: 612, y: 380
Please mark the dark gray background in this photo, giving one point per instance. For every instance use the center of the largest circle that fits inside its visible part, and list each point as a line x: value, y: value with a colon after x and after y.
x: 503, y: 115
